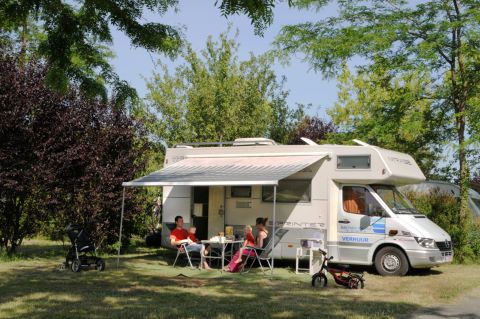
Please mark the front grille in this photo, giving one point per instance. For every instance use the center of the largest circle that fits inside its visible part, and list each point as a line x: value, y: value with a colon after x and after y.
x: 444, y: 245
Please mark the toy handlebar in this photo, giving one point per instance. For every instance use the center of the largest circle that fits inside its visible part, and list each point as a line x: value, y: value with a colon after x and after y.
x: 322, y: 251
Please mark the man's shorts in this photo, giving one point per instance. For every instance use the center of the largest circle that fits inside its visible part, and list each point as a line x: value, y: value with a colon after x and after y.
x: 194, y: 247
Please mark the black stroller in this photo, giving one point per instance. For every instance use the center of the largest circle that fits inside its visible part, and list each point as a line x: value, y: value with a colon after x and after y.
x: 82, y: 253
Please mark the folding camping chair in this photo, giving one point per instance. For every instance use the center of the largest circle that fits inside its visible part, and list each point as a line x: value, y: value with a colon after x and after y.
x: 182, y: 250
x: 262, y: 254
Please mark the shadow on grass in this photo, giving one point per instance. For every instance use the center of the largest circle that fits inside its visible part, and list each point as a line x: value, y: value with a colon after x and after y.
x: 35, y: 251
x: 43, y: 293
x: 147, y: 286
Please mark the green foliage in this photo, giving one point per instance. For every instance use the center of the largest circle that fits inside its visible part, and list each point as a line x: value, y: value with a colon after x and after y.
x: 444, y: 210
x: 260, y: 12
x: 71, y: 36
x: 389, y: 110
x: 74, y: 36
x: 436, y: 39
x: 474, y: 241
x: 62, y: 158
x: 215, y: 97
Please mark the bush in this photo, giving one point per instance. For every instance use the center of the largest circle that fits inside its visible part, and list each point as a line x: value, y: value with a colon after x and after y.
x: 474, y: 241
x: 444, y: 210
x: 63, y: 159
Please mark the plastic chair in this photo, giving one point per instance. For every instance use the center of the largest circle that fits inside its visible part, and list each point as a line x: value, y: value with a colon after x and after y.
x: 182, y: 250
x: 262, y: 254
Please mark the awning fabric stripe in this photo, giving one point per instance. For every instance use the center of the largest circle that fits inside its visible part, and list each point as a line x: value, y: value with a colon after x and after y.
x: 251, y: 170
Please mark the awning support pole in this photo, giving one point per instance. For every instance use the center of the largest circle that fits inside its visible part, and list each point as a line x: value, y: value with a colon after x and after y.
x: 274, y: 222
x: 121, y: 226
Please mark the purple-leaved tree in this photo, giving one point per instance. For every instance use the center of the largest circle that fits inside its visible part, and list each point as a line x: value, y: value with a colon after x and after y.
x: 62, y: 158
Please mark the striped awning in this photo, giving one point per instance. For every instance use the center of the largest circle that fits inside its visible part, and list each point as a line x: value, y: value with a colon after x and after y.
x: 247, y: 170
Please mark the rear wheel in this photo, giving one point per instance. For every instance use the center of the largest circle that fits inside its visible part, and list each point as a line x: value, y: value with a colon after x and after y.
x: 355, y: 282
x: 76, y: 265
x: 391, y: 261
x: 319, y: 280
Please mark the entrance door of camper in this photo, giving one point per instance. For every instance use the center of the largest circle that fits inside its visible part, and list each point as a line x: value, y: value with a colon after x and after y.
x: 361, y: 223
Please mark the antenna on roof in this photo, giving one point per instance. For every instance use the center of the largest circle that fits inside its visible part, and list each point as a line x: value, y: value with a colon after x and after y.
x: 361, y: 143
x: 308, y: 141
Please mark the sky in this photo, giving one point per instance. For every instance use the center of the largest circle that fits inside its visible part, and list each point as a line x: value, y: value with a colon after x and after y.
x: 200, y: 19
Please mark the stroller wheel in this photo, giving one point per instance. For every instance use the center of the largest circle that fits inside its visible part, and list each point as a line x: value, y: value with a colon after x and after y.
x: 100, y: 265
x: 76, y: 265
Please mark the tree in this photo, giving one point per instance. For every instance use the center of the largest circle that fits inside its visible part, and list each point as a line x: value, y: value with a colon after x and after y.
x: 75, y: 35
x: 440, y: 38
x: 215, y: 97
x: 312, y: 127
x: 62, y: 159
x: 392, y: 111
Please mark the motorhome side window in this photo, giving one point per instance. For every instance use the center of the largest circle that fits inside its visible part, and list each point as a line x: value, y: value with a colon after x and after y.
x: 241, y: 191
x: 353, y: 162
x: 359, y: 200
x: 289, y: 191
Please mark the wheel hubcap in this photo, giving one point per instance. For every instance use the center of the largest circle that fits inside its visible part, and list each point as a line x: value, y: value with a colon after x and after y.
x: 391, y: 263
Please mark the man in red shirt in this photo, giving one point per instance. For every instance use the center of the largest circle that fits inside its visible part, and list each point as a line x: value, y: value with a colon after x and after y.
x: 179, y: 236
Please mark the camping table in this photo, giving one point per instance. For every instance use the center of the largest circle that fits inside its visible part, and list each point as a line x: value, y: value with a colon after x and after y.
x: 223, y: 246
x: 309, y: 250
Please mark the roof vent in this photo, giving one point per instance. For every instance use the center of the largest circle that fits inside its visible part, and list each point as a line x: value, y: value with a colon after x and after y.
x: 361, y: 142
x: 308, y: 141
x: 250, y: 141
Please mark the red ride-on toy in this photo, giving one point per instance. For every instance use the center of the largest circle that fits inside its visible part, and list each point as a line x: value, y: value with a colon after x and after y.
x: 341, y: 276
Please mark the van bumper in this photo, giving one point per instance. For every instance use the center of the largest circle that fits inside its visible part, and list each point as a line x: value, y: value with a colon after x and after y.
x: 429, y: 258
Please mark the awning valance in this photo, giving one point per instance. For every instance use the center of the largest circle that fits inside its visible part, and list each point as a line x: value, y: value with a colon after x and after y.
x: 247, y: 170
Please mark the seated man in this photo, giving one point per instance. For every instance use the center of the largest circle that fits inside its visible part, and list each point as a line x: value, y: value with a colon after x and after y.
x: 179, y: 236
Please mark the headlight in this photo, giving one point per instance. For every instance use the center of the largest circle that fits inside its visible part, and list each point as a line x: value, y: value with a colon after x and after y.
x: 425, y: 242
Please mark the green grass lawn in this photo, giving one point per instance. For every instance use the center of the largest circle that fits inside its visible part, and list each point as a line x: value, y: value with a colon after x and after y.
x: 146, y: 286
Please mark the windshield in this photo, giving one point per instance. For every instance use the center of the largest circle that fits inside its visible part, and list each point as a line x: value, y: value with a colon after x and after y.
x: 397, y: 202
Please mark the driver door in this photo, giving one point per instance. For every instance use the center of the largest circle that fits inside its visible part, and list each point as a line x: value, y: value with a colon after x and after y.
x: 361, y: 223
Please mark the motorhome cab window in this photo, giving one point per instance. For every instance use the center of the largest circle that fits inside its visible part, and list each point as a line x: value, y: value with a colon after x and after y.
x: 397, y: 202
x: 359, y: 200
x: 289, y: 191
x: 353, y: 162
x: 241, y: 191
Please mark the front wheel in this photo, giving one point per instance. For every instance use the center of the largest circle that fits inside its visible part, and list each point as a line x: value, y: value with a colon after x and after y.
x: 319, y: 280
x: 76, y: 265
x: 391, y: 261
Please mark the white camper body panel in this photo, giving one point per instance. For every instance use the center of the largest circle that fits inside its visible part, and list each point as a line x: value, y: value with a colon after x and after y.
x: 317, y: 217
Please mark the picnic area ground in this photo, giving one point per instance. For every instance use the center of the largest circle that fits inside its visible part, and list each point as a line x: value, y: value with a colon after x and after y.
x: 147, y: 286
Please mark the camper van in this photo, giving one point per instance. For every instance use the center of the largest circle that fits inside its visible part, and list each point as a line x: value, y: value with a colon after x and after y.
x: 447, y: 188
x: 345, y: 197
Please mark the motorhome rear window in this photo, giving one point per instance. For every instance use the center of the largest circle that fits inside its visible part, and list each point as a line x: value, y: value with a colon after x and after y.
x: 241, y: 191
x: 353, y: 162
x: 289, y: 191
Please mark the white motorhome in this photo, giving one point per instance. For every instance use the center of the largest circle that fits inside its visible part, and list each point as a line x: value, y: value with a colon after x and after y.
x: 345, y: 196
x: 431, y: 186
